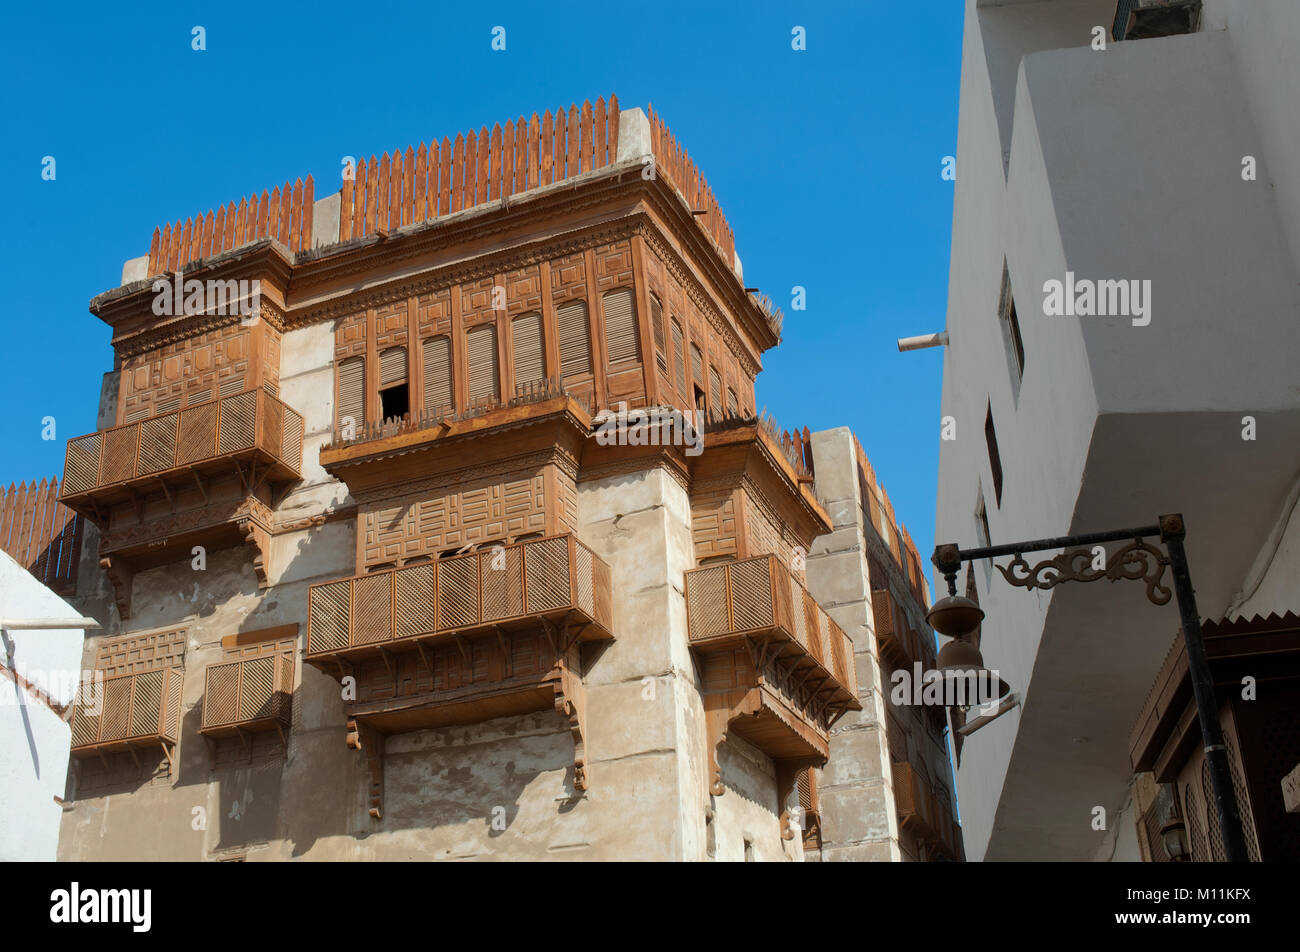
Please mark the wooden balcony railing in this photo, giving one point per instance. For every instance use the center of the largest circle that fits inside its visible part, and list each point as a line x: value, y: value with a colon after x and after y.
x: 132, y: 710
x: 105, y: 466
x: 927, y: 814
x: 555, y: 578
x: 760, y: 598
x: 251, y: 694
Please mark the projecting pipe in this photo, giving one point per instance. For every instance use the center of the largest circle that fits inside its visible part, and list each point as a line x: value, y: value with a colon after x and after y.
x: 924, y: 341
x: 37, y: 624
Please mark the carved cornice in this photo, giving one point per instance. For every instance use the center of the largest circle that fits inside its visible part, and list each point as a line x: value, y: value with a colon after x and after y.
x: 247, y: 509
x: 461, y: 272
x: 514, y: 465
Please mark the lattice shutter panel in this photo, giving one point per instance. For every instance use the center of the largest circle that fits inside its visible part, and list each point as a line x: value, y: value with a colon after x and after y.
x: 437, y: 374
x: 575, y: 338
x: 501, y: 576
x: 373, y: 597
x: 146, y: 705
x: 800, y: 616
x: 232, y: 386
x: 85, y: 727
x: 458, y: 592
x: 526, y: 329
x: 238, y: 422
x: 328, y: 616
x: 706, y: 602
x: 81, y: 472
x: 119, y: 454
x: 352, y: 390
x: 697, y: 365
x: 219, y: 695
x: 198, y: 436
x: 583, y: 572
x: 484, y: 379
x: 272, y: 425
x: 751, y: 594
x: 657, y: 324
x: 116, y: 704
x: 415, y: 600
x: 715, y: 391
x: 679, y: 356
x: 732, y: 406
x: 158, y: 444
x: 620, y: 326
x: 392, y: 366
x: 172, y: 721
x: 546, y: 564
x: 1195, y: 838
x: 291, y: 451
x: 257, y: 689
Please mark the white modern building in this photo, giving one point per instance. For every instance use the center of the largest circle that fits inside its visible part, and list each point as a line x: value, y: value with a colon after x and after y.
x: 39, y: 676
x: 1170, y: 163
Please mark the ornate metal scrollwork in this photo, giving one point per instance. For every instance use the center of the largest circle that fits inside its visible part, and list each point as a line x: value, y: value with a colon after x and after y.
x: 1137, y: 561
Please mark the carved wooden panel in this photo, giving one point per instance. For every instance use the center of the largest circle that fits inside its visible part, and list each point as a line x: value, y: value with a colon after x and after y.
x: 426, y: 525
x: 391, y: 326
x: 614, y: 265
x: 149, y: 651
x: 713, y: 523
x: 188, y: 371
x: 350, y: 337
x: 476, y: 301
x: 524, y: 290
x: 433, y: 311
x: 568, y: 277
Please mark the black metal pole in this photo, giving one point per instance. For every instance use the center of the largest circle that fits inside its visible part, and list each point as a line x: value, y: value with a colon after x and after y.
x: 1172, y: 532
x: 1171, y: 529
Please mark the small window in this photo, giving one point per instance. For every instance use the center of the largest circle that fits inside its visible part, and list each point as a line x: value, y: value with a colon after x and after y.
x: 575, y: 338
x: 352, y: 391
x: 982, y: 534
x: 620, y: 326
x: 394, y: 402
x: 1010, y: 322
x: 657, y: 325
x: 484, y: 377
x: 530, y: 369
x: 995, y: 460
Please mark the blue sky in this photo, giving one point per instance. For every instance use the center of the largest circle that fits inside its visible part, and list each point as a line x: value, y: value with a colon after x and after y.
x: 826, y: 162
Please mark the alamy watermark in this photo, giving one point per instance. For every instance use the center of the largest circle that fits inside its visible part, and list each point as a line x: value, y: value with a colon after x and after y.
x: 174, y: 296
x: 1084, y: 297
x: 651, y: 426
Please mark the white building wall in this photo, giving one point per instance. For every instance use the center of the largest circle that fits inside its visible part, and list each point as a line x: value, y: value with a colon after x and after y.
x: 34, y: 739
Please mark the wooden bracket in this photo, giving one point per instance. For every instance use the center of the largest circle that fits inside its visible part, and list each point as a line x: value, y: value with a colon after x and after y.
x: 198, y: 481
x: 419, y: 646
x: 571, y: 704
x: 388, y: 661
x: 464, y: 648
x: 370, y: 742
x: 716, y: 721
x: 259, y: 540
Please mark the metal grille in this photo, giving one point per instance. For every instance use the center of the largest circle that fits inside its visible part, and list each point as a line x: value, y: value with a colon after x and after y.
x: 546, y: 563
x: 416, y: 597
x: 502, y: 579
x: 328, y: 611
x: 238, y: 422
x: 158, y: 444
x: 220, y: 694
x: 119, y: 454
x: 372, y: 597
x: 706, y: 602
x: 751, y: 594
x: 81, y: 466
x: 198, y: 435
x: 146, y: 705
x: 257, y: 688
x: 458, y: 592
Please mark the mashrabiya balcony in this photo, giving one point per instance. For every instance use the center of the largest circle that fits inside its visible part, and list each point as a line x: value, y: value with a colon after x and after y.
x: 776, y: 669
x: 489, y: 634
x: 129, y: 711
x: 248, y: 696
x: 250, y: 428
x: 927, y: 814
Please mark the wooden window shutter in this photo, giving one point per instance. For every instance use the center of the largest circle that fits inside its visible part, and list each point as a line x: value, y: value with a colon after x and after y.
x: 352, y: 390
x: 732, y: 406
x: 530, y: 367
x: 657, y: 320
x: 697, y: 365
x: 484, y: 378
x: 392, y: 367
x: 679, y: 356
x: 620, y: 326
x: 575, y: 338
x: 437, y: 374
x: 715, y: 391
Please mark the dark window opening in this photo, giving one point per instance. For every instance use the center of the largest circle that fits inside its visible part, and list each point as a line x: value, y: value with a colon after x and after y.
x: 995, y: 460
x: 394, y: 402
x: 1147, y: 19
x: 1011, y: 323
x: 699, y: 399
